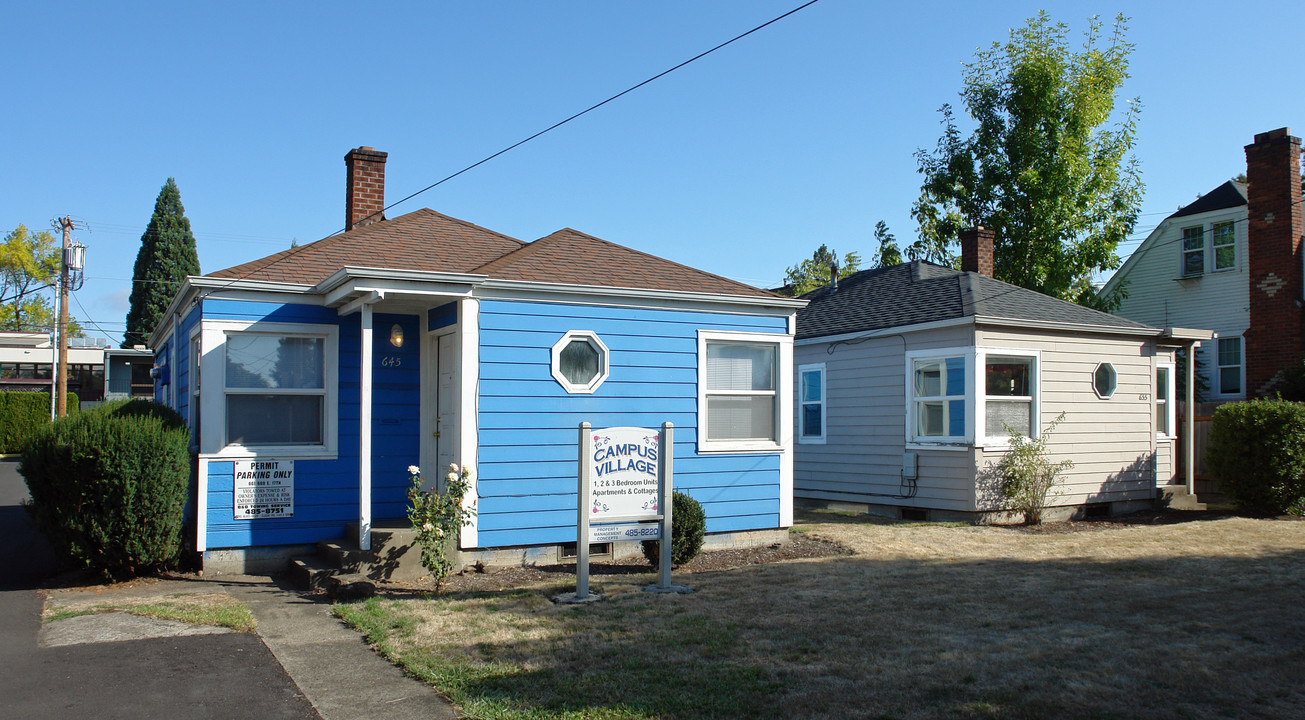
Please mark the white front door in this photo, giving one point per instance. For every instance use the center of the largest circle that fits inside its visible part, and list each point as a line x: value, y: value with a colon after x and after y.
x: 446, y: 403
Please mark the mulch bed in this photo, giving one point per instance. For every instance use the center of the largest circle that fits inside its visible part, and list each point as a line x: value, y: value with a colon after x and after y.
x: 797, y: 547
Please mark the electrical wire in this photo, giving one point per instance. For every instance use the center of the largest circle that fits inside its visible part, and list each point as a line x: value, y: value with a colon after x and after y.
x: 295, y: 250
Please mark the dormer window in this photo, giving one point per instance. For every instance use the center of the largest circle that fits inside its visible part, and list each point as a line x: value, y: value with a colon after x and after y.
x: 1193, y: 251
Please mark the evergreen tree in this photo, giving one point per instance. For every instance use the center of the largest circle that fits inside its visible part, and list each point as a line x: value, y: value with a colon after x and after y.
x: 815, y: 272
x: 1047, y: 167
x: 167, y: 255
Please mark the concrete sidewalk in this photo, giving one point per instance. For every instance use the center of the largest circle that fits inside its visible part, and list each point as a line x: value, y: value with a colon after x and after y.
x: 331, y: 663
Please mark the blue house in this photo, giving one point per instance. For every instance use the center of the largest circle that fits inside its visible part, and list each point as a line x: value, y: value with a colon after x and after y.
x: 313, y: 378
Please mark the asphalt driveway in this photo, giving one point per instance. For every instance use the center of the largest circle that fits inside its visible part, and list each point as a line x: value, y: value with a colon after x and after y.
x: 203, y: 676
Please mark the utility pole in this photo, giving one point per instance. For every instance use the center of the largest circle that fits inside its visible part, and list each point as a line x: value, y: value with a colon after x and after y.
x: 61, y: 408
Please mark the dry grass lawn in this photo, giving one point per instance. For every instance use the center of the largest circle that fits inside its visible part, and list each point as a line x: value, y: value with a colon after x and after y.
x: 1189, y: 620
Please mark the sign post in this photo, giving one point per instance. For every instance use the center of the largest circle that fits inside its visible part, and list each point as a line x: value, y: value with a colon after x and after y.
x: 624, y: 487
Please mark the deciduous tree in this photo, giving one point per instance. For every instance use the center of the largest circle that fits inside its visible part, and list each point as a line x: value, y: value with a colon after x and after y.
x: 1048, y: 166
x: 167, y: 255
x: 29, y: 268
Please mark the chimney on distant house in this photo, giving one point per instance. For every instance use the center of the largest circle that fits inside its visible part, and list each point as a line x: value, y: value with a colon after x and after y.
x: 364, y: 198
x: 1276, y: 335
x: 976, y: 250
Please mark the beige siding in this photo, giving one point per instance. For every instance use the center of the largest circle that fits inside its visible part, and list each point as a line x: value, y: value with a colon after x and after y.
x: 1110, y: 441
x: 861, y: 460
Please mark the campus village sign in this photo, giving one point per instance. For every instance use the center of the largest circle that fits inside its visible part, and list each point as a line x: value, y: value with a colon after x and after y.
x: 624, y: 493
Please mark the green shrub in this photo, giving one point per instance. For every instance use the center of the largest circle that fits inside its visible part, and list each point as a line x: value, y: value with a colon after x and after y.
x: 1027, y: 475
x: 1257, y: 454
x: 22, y: 414
x: 108, y: 487
x: 688, y: 523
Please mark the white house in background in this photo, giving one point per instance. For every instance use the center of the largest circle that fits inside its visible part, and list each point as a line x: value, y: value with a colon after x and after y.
x: 1231, y: 262
x: 95, y: 371
x: 1192, y: 271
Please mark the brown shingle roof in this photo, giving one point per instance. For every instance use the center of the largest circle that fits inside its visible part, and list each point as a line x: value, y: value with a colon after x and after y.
x: 419, y: 240
x: 574, y: 258
x: 427, y: 240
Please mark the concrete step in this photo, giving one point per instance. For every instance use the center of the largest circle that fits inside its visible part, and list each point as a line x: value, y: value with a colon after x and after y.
x: 1176, y: 497
x: 312, y: 572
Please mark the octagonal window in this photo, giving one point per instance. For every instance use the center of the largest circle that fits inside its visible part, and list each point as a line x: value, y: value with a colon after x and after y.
x: 579, y: 361
x: 1104, y: 380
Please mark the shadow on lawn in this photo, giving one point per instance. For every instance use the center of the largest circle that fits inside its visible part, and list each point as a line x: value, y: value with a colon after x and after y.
x: 1139, y: 637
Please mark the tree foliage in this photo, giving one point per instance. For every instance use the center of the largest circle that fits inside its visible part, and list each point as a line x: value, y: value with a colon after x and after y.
x: 29, y: 267
x: 1048, y: 166
x: 167, y: 255
x: 814, y: 272
x: 888, y: 254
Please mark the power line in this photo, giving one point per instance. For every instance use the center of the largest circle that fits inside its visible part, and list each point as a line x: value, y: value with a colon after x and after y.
x: 295, y: 250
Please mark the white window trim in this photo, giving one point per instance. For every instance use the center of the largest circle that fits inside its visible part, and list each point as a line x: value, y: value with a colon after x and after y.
x: 1171, y: 406
x: 1214, y: 249
x: 1114, y: 380
x: 1183, y: 252
x: 783, y: 392
x: 981, y: 404
x: 194, y: 373
x: 914, y: 442
x: 604, y: 361
x: 213, y: 426
x: 1216, y: 387
x: 823, y: 402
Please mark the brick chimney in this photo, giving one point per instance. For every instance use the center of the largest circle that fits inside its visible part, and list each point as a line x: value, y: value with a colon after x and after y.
x: 976, y: 250
x: 365, y: 187
x: 1276, y: 336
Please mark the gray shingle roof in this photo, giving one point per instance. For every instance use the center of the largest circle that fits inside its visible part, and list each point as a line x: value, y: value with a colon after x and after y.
x: 919, y: 292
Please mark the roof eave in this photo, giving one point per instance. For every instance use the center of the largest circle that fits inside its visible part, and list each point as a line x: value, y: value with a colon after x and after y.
x: 1142, y: 331
x: 494, y: 286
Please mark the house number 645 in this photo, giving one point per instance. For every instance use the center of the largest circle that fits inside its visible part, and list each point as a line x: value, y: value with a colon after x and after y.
x: 391, y: 361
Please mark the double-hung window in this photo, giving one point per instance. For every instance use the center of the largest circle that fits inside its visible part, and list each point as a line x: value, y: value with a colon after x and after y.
x: 937, y: 408
x: 1193, y: 251
x: 742, y: 384
x: 811, y: 403
x: 1008, y: 382
x: 1230, y: 366
x: 270, y: 388
x: 1164, y: 404
x: 1224, y: 239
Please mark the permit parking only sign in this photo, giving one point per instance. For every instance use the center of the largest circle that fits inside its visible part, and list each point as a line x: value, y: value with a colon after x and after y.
x: 265, y: 488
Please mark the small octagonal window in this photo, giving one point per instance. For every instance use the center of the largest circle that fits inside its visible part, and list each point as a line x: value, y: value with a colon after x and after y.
x: 579, y: 361
x: 1104, y: 380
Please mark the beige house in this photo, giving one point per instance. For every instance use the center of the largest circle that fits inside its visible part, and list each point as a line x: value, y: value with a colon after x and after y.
x: 911, y: 379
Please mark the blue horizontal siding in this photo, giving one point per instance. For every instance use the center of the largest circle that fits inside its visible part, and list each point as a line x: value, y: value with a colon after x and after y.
x: 528, y: 422
x: 326, y: 491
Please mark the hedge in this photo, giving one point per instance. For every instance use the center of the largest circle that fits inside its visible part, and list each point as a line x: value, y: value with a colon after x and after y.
x: 1257, y: 455
x: 23, y: 413
x: 108, y: 486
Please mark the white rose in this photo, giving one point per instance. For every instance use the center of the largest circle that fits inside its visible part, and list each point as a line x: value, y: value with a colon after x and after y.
x: 414, y: 470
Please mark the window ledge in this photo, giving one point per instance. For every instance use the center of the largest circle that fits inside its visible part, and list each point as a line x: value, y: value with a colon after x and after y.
x: 238, y: 452
x: 811, y: 441
x: 937, y: 446
x: 739, y: 447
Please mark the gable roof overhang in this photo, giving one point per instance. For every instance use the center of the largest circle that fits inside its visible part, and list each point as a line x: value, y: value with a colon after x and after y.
x: 414, y: 290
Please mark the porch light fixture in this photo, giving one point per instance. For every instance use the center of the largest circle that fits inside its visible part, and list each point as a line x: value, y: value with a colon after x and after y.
x: 396, y: 335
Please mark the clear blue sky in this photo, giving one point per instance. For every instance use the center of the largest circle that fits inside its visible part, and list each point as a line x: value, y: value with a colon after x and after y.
x: 739, y: 164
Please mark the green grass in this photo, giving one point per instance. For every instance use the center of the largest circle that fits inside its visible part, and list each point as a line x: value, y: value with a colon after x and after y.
x: 597, y: 667
x: 233, y: 615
